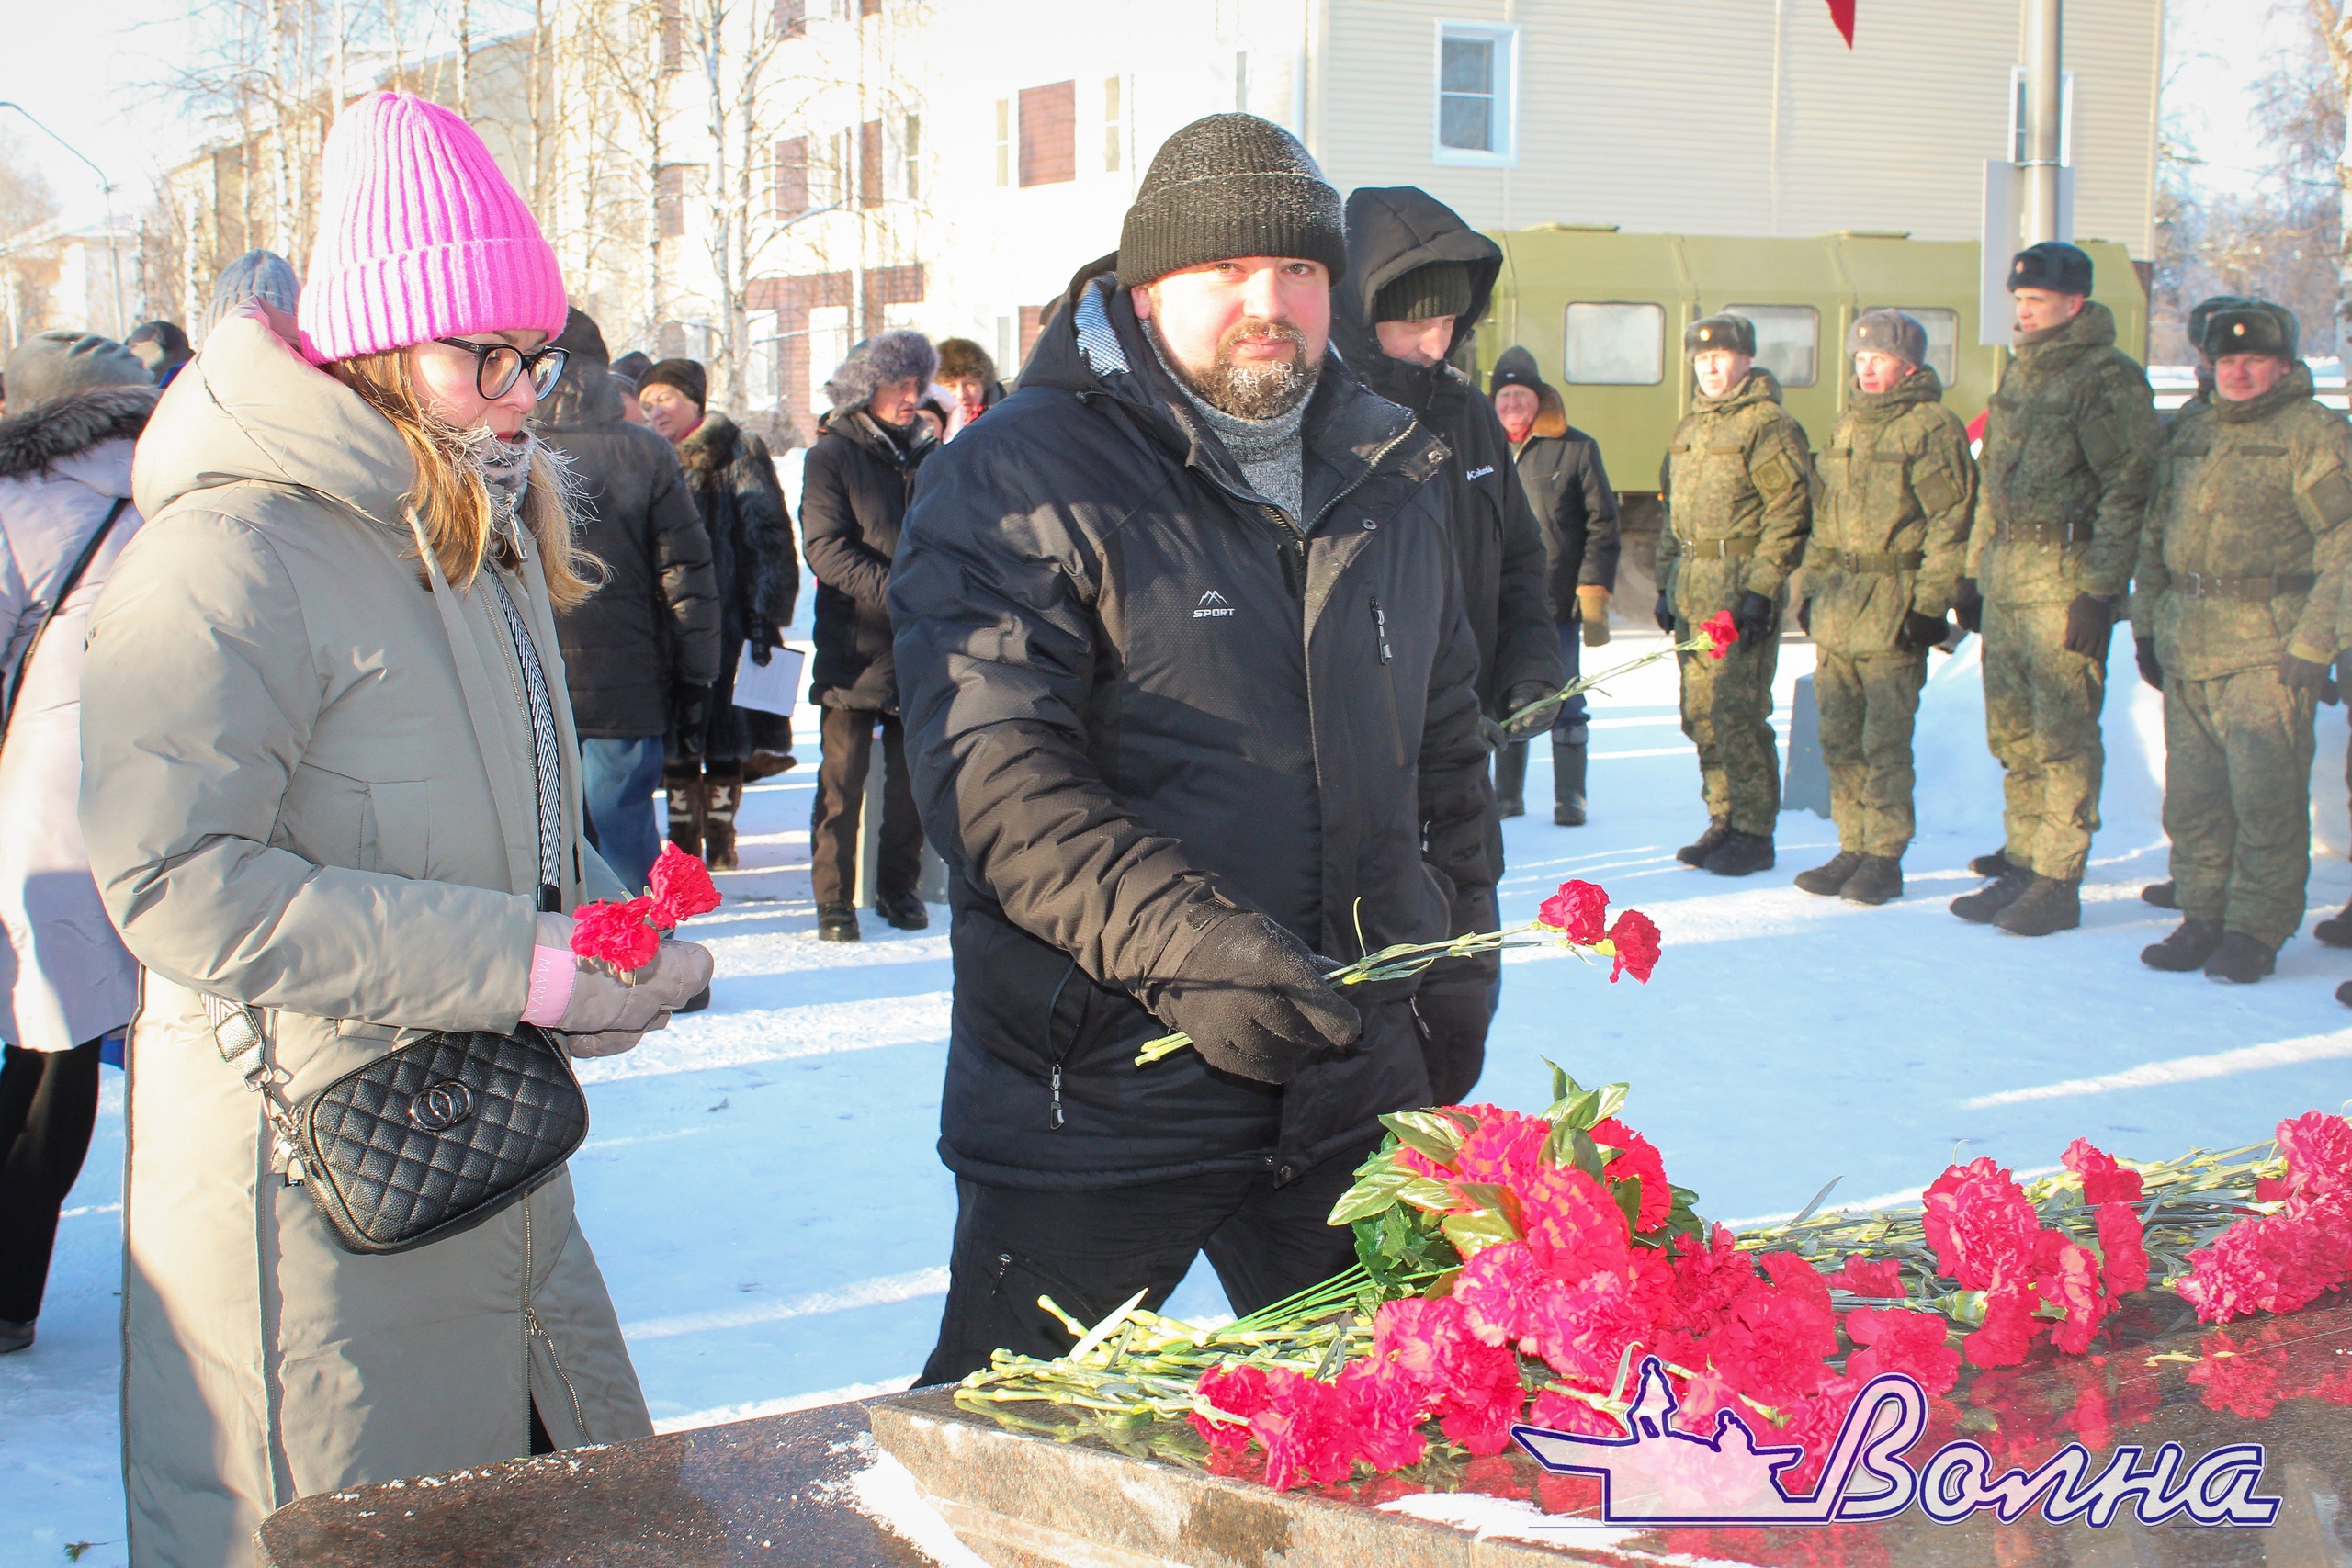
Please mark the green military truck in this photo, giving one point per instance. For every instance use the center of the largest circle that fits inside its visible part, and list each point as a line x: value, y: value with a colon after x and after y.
x: 1604, y: 312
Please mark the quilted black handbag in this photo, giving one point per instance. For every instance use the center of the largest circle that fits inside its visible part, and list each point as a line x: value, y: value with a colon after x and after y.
x: 427, y: 1140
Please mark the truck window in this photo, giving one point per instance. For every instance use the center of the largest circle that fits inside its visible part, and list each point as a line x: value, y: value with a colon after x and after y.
x: 1788, y: 340
x: 1943, y: 337
x: 1616, y: 346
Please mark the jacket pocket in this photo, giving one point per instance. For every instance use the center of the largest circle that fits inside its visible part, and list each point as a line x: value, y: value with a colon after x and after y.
x: 396, y: 833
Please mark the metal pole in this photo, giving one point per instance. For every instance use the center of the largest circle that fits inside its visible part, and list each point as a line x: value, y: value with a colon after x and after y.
x: 2044, y: 90
x: 114, y: 251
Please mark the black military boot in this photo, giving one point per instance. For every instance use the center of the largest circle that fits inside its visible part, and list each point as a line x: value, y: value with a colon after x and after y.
x: 1567, y: 786
x: 2164, y: 896
x: 2005, y: 889
x: 903, y: 910
x: 1876, y: 881
x: 2047, y: 905
x: 2241, y: 959
x: 1740, y: 854
x: 2191, y: 944
x: 1510, y: 779
x: 1829, y: 876
x: 837, y: 922
x: 1697, y: 852
x: 2336, y: 930
x: 1997, y: 864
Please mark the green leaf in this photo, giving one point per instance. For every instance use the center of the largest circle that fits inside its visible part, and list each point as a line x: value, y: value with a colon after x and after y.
x: 1370, y: 1194
x: 1426, y: 1133
x: 1628, y: 1194
x: 1425, y: 1192
x: 1613, y: 1100
x: 1562, y: 1086
x: 1471, y: 1233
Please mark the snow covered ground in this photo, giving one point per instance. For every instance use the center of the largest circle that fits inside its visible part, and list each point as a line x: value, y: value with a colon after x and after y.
x: 761, y: 1189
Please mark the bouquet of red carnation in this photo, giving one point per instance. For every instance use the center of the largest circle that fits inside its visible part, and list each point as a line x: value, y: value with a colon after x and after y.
x: 627, y: 935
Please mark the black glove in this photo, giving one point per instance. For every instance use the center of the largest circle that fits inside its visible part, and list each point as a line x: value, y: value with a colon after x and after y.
x: 1804, y: 615
x: 1537, y: 722
x: 766, y: 639
x: 1665, y: 615
x: 1968, y: 606
x: 1919, y: 633
x: 689, y: 712
x: 1255, y: 1001
x: 2301, y: 674
x: 2150, y: 671
x: 2089, y: 621
x: 1753, y: 617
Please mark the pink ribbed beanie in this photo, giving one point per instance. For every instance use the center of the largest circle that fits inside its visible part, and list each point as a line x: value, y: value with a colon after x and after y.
x: 420, y: 236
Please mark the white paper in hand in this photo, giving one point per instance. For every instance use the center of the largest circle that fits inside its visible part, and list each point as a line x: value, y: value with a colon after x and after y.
x: 773, y: 687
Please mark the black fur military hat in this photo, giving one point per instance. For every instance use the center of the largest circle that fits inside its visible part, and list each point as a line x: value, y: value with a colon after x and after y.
x: 2053, y: 265
x: 2202, y: 312
x: 1888, y: 331
x: 1735, y: 334
x: 2253, y: 326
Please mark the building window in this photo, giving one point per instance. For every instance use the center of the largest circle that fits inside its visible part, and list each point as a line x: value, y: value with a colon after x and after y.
x: 1788, y: 340
x: 1616, y: 346
x: 1111, y: 127
x: 1943, y: 328
x: 1049, y: 133
x: 670, y: 201
x: 674, y: 35
x: 792, y: 18
x: 869, y: 163
x: 1004, y: 141
x: 910, y: 155
x: 792, y: 177
x: 1477, y: 108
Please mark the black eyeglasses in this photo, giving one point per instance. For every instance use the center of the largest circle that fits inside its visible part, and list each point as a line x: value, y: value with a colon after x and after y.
x: 497, y: 366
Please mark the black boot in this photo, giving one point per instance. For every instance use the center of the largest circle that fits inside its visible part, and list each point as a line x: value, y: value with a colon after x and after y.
x: 1697, y: 852
x: 1997, y: 864
x: 836, y: 922
x: 2047, y: 905
x: 903, y: 910
x: 2190, y: 943
x: 1567, y: 786
x: 1877, y: 880
x: 1826, y: 878
x: 1740, y: 854
x: 688, y: 805
x: 1510, y: 779
x: 2336, y: 930
x: 2241, y: 959
x: 2005, y: 889
x: 2163, y: 895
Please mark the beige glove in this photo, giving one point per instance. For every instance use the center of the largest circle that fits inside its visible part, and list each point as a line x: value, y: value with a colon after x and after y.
x: 1593, y: 600
x: 607, y: 1015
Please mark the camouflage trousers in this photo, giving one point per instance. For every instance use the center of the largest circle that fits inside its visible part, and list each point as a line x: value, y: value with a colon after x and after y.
x: 1868, y: 706
x: 2238, y: 800
x: 1728, y: 714
x: 2041, y: 708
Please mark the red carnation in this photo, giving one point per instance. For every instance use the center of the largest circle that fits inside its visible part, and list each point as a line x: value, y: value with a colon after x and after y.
x: 682, y: 888
x: 2074, y: 1285
x: 1915, y: 1343
x: 2008, y: 1332
x: 1864, y: 1278
x: 1304, y: 1430
x: 1636, y: 938
x: 2104, y: 1180
x: 2126, y: 1253
x: 2319, y: 1154
x: 1385, y: 1409
x: 1722, y: 632
x: 1639, y: 1158
x: 1579, y: 911
x: 1237, y: 1389
x: 615, y: 935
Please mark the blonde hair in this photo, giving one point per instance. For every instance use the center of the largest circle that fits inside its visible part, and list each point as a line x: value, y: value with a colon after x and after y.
x: 452, y: 502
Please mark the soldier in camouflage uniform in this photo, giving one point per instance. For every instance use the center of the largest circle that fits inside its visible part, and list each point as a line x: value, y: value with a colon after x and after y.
x: 2242, y: 565
x: 1738, y: 510
x: 2069, y: 448
x: 1890, y: 533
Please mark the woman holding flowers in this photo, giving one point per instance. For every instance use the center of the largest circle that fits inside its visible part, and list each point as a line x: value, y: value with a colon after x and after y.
x: 331, y: 776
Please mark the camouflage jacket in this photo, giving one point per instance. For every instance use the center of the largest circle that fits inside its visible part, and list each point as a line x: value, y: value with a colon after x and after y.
x: 2069, y: 451
x: 1737, y: 504
x: 1890, y: 532
x: 2252, y: 489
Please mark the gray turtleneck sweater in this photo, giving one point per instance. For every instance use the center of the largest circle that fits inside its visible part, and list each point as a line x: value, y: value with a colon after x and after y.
x: 1271, y: 455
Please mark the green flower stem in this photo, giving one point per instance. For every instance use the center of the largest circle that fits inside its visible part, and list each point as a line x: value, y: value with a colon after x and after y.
x: 1584, y: 683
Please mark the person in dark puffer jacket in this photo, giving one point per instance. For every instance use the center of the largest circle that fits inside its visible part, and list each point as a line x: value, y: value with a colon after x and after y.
x: 853, y: 498
x: 647, y: 643
x: 757, y: 579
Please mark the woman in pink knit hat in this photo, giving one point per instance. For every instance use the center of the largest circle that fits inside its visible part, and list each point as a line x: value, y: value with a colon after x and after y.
x: 332, y: 786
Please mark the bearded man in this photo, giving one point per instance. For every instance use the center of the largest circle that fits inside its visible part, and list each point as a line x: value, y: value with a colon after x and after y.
x: 1187, y: 684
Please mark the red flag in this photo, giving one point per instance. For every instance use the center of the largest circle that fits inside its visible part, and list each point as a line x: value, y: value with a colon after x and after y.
x: 1841, y: 12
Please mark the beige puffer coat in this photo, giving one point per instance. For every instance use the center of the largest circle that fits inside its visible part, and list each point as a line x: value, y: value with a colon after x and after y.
x: 307, y: 786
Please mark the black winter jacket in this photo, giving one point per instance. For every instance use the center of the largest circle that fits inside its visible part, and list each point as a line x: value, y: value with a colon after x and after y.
x: 1568, y: 488
x: 1132, y: 689
x: 854, y: 494
x: 656, y: 620
x: 734, y: 484
x: 1497, y: 543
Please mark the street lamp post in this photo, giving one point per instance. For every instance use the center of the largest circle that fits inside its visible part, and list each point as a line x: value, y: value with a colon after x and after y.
x: 114, y: 246
x: 2044, y: 98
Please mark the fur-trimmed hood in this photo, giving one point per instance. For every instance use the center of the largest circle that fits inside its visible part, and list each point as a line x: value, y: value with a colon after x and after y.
x: 900, y: 355
x: 40, y: 436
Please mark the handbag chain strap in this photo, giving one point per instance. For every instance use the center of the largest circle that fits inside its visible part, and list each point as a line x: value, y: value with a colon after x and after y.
x: 237, y: 1030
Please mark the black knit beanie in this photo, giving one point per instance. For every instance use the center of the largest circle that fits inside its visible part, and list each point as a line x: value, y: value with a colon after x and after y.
x: 1439, y: 288
x: 1231, y: 185
x: 686, y: 375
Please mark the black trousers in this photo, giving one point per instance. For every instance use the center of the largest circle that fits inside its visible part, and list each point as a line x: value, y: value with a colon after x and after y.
x: 1091, y: 1251
x: 49, y: 1102
x: 834, y: 824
